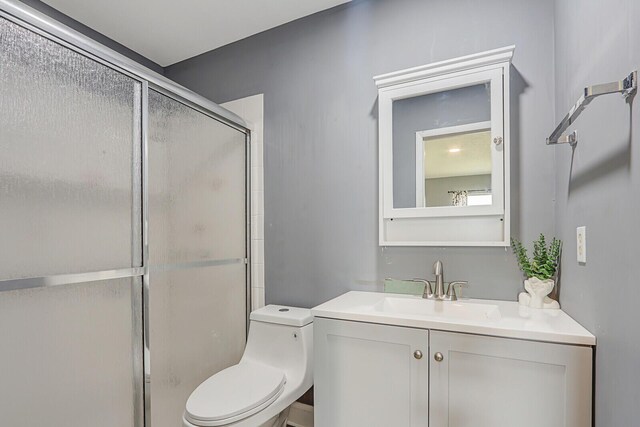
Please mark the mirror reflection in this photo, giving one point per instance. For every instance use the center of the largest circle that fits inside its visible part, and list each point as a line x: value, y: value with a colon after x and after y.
x: 442, y: 148
x: 455, y: 169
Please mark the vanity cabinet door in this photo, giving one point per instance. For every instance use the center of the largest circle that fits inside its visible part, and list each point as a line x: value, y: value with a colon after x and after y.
x: 479, y: 381
x: 369, y: 375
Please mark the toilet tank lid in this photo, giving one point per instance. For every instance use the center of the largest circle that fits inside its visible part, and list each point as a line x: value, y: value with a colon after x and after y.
x: 292, y: 316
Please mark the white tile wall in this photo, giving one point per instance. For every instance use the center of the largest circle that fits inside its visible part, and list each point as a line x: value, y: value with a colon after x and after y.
x: 251, y: 109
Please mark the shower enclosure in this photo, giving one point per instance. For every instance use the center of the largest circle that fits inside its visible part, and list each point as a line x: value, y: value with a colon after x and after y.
x: 124, y: 242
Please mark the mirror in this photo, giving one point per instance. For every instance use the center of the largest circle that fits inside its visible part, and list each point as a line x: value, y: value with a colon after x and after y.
x: 454, y: 168
x: 444, y: 152
x: 442, y: 149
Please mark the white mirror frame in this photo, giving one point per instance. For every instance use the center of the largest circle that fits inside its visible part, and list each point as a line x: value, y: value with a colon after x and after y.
x: 447, y: 226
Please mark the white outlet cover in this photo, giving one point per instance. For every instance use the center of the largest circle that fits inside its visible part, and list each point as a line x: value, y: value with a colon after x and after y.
x: 581, y: 244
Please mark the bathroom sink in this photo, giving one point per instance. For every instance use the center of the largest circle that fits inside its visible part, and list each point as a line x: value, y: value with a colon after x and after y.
x: 496, y: 318
x: 440, y: 309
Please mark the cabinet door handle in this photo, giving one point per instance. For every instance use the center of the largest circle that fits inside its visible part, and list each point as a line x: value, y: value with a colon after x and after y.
x: 438, y: 357
x: 417, y: 354
x: 497, y: 140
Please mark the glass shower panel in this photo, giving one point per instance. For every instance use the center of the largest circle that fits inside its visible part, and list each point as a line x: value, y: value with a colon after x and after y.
x: 69, y: 160
x: 197, y: 185
x: 67, y: 355
x: 197, y: 328
x: 197, y: 214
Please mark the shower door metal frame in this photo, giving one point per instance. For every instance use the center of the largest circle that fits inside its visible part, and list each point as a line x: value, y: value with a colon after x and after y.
x: 47, y: 27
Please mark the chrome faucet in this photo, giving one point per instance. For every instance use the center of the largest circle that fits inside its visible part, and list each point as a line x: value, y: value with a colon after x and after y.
x: 439, y: 292
x: 438, y: 270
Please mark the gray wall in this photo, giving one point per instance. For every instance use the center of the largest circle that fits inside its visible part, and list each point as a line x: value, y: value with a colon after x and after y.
x: 321, y: 153
x: 600, y: 188
x: 433, y: 111
x: 91, y: 33
x: 321, y: 177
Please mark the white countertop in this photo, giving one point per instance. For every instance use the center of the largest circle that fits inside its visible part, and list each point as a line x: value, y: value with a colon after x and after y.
x: 483, y: 317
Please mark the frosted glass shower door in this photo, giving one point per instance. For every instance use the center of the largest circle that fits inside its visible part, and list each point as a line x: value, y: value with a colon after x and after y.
x: 197, y: 280
x: 67, y: 355
x: 70, y: 217
x: 69, y: 160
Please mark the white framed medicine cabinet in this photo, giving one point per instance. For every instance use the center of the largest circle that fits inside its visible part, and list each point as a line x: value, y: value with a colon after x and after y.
x: 444, y: 152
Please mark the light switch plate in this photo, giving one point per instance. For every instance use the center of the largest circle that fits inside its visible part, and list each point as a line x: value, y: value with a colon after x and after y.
x: 581, y: 240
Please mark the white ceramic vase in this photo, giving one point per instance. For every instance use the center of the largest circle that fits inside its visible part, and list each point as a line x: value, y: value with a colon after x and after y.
x: 538, y: 290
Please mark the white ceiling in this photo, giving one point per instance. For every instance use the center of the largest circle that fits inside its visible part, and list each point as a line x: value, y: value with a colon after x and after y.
x: 458, y: 155
x: 168, y: 31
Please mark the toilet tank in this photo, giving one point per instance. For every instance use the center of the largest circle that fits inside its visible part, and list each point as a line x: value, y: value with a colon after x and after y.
x: 282, y: 315
x: 281, y: 337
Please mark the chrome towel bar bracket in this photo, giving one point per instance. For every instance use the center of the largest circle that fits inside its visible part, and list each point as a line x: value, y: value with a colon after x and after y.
x: 626, y: 87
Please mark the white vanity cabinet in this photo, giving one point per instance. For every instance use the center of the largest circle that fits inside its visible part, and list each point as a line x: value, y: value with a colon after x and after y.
x: 369, y: 375
x: 501, y: 382
x: 375, y: 375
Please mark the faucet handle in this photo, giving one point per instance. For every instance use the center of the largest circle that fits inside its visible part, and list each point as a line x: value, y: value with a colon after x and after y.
x: 451, y: 290
x: 428, y: 289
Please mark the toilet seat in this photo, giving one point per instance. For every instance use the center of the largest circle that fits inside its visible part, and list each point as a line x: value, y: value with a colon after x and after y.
x: 234, y: 393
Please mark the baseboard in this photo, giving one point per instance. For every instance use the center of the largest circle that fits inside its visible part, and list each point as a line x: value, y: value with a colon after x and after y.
x: 301, y: 415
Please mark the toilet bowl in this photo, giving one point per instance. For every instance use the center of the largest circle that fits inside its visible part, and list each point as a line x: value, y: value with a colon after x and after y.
x: 275, y: 370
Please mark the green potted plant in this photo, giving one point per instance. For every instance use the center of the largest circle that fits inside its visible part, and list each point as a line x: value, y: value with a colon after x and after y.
x: 540, y: 271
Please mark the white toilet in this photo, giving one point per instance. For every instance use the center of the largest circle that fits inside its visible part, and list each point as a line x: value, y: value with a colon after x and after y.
x: 275, y: 370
